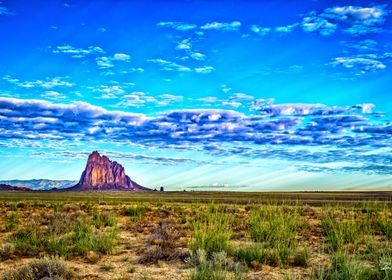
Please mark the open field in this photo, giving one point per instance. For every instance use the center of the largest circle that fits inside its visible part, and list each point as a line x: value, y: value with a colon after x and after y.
x: 196, y: 235
x: 292, y: 198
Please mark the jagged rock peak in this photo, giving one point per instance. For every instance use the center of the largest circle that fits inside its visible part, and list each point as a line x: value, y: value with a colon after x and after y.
x: 103, y: 174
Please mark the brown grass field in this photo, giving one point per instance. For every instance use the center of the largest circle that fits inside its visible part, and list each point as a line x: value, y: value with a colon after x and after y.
x: 196, y: 235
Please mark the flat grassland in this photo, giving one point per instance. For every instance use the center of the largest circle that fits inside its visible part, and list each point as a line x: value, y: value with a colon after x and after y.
x: 196, y: 235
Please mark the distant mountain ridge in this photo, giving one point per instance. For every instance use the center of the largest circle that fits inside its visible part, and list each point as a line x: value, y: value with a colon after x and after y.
x: 40, y: 184
x: 102, y: 174
x: 5, y: 187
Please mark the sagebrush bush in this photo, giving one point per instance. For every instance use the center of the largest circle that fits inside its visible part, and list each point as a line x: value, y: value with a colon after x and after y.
x: 46, y: 268
x: 206, y: 272
x: 219, y: 266
x: 6, y: 251
x: 163, y: 243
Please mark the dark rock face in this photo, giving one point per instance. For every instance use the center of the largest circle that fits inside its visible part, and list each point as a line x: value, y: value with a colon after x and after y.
x: 101, y: 174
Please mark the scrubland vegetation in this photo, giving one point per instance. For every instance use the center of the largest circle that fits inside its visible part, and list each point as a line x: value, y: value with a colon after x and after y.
x: 122, y: 239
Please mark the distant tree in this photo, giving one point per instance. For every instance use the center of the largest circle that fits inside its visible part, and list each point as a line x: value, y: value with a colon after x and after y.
x: 161, y: 189
x: 155, y: 190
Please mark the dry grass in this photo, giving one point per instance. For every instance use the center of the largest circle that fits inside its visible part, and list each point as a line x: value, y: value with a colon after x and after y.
x: 171, y: 240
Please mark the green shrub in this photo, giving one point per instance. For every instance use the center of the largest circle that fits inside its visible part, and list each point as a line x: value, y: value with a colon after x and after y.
x: 135, y: 212
x: 339, y: 232
x: 29, y: 241
x: 106, y: 267
x: 301, y: 257
x: 57, y: 207
x: 344, y: 266
x: 256, y: 254
x: 104, y: 219
x: 57, y: 245
x: 272, y: 225
x: 385, y: 225
x: 211, y: 233
x: 85, y: 239
x: 276, y: 229
x: 82, y: 238
x: 206, y: 272
x: 11, y: 221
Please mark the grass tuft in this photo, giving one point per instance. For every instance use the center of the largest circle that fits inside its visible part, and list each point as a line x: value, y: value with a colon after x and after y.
x: 211, y: 233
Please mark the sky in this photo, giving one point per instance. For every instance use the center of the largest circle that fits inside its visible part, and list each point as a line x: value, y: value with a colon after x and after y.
x: 220, y: 95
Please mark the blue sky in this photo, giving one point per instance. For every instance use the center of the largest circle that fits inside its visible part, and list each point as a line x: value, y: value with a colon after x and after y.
x: 236, y: 95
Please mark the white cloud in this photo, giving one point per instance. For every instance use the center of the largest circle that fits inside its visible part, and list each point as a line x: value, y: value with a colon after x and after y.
x: 214, y: 117
x: 360, y: 29
x: 169, y: 65
x: 225, y: 26
x: 260, y: 103
x: 4, y: 11
x: 205, y: 69
x: 198, y: 56
x: 181, y: 26
x: 355, y: 20
x: 359, y: 65
x: 367, y: 108
x: 241, y: 96
x: 104, y: 62
x: 133, y: 100
x: 53, y: 95
x: 226, y: 88
x: 363, y: 45
x: 232, y: 104
x: 311, y: 24
x: 139, y: 99
x: 260, y: 30
x: 107, y: 62
x: 172, y: 98
x: 287, y: 28
x: 48, y: 83
x: 208, y: 99
x: 139, y: 69
x: 184, y: 45
x: 109, y: 92
x: 167, y: 99
x: 366, y: 15
x: 121, y: 57
x: 78, y: 52
x: 102, y: 29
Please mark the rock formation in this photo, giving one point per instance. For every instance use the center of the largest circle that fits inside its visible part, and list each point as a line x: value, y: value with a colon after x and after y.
x: 101, y: 174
